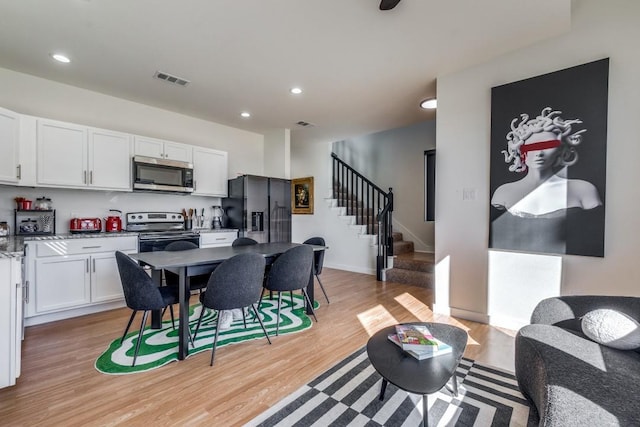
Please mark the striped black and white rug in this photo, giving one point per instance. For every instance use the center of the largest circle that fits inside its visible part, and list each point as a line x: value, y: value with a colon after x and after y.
x: 347, y: 395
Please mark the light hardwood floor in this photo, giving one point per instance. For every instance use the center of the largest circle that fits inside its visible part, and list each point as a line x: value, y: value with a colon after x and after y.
x: 59, y: 385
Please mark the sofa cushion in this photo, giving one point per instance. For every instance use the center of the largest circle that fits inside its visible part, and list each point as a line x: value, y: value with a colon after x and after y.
x: 612, y: 328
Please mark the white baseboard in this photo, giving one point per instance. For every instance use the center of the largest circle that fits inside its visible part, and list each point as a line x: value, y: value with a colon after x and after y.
x: 507, y: 322
x: 351, y: 268
x: 462, y: 314
x: 67, y: 314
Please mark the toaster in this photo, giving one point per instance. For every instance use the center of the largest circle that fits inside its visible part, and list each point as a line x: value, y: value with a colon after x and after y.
x: 85, y: 225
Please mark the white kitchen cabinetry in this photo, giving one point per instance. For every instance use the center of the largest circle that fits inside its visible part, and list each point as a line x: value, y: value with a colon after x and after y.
x: 76, y: 156
x: 62, y: 154
x: 216, y: 239
x: 109, y: 160
x: 69, y: 274
x: 151, y: 147
x: 10, y: 320
x: 61, y: 282
x: 209, y: 172
x: 9, y: 147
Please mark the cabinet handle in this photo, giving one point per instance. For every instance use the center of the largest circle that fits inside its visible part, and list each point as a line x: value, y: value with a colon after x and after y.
x: 26, y: 292
x: 87, y: 265
x: 84, y: 177
x: 91, y: 177
x: 195, y: 185
x: 19, y: 171
x: 221, y: 238
x: 91, y: 247
x: 93, y: 260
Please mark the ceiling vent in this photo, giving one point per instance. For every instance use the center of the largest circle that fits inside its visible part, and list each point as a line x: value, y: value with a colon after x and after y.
x: 171, y: 78
x: 304, y: 124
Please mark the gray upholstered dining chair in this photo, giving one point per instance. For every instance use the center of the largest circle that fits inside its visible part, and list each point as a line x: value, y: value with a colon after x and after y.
x: 195, y: 282
x: 243, y: 241
x: 290, y: 272
x: 235, y: 283
x: 140, y: 293
x: 318, y: 260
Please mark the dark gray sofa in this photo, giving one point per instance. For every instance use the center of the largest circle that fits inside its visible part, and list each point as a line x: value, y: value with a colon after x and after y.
x: 571, y: 380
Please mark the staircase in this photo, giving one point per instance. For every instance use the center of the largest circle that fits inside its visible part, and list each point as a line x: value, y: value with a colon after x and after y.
x: 368, y: 209
x: 409, y: 267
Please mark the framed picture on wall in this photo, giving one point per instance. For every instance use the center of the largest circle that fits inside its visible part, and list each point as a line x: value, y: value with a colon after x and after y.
x: 302, y: 195
x: 548, y: 162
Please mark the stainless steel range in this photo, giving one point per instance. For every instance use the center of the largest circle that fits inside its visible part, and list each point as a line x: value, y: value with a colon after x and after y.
x: 158, y: 229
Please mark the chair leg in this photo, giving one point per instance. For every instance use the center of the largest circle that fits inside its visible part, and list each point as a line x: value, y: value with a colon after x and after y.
x: 304, y: 291
x: 278, y: 317
x: 128, y: 325
x: 322, y: 287
x: 198, y: 324
x: 144, y: 322
x: 291, y: 297
x: 244, y: 318
x: 255, y: 310
x: 173, y: 321
x: 215, y: 340
x: 261, y: 296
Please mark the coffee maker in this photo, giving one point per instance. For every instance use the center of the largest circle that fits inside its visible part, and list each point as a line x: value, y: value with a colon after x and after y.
x: 217, y: 215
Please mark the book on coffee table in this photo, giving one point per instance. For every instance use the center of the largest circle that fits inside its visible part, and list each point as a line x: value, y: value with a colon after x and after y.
x: 415, y: 337
x: 442, y: 348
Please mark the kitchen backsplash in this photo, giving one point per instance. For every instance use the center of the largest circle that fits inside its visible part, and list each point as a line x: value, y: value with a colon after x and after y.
x: 89, y: 203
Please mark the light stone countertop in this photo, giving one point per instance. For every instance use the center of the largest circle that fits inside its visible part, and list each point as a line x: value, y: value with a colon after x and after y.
x: 12, y: 246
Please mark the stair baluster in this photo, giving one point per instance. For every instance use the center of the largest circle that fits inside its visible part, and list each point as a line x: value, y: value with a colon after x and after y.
x: 345, y: 180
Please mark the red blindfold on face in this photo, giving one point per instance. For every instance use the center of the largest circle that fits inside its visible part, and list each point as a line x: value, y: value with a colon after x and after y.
x: 537, y: 146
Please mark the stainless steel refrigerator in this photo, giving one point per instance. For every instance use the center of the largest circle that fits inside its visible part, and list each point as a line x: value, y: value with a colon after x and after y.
x: 260, y: 207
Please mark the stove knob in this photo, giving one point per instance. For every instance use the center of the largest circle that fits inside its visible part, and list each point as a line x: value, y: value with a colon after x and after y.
x: 139, y: 216
x: 173, y: 217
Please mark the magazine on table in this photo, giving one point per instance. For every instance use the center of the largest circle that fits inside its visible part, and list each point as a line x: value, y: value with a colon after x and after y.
x: 442, y: 348
x: 416, y: 337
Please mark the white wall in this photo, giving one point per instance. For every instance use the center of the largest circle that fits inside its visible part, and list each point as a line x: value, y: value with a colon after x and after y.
x: 465, y: 283
x: 277, y: 150
x: 31, y: 95
x: 346, y: 250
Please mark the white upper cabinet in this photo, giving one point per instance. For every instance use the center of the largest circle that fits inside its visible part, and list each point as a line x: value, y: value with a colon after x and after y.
x: 110, y: 156
x: 76, y: 156
x: 151, y: 147
x: 209, y: 172
x: 62, y: 154
x: 9, y: 146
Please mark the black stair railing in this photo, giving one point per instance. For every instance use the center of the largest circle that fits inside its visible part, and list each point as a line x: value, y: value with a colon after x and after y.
x: 371, y: 206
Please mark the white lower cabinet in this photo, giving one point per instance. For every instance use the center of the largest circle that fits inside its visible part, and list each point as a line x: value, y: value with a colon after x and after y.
x: 66, y: 275
x: 105, y: 279
x: 61, y: 282
x: 216, y: 239
x: 10, y: 320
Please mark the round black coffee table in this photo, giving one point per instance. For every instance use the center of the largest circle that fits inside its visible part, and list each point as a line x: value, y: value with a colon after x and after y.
x: 417, y: 376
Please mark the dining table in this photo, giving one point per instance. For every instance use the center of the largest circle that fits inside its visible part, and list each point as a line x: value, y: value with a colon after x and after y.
x: 193, y: 262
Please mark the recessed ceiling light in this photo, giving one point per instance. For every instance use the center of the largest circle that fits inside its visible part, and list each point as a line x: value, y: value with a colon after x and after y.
x: 429, y: 104
x: 245, y: 114
x: 296, y: 90
x: 60, y: 58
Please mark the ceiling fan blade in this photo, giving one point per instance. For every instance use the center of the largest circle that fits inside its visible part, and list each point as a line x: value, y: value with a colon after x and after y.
x: 388, y: 4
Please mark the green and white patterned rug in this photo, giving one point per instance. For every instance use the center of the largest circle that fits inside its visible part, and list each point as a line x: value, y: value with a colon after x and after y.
x: 160, y: 346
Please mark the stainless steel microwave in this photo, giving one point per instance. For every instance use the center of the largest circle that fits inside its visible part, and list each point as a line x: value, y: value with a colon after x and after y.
x: 151, y: 174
